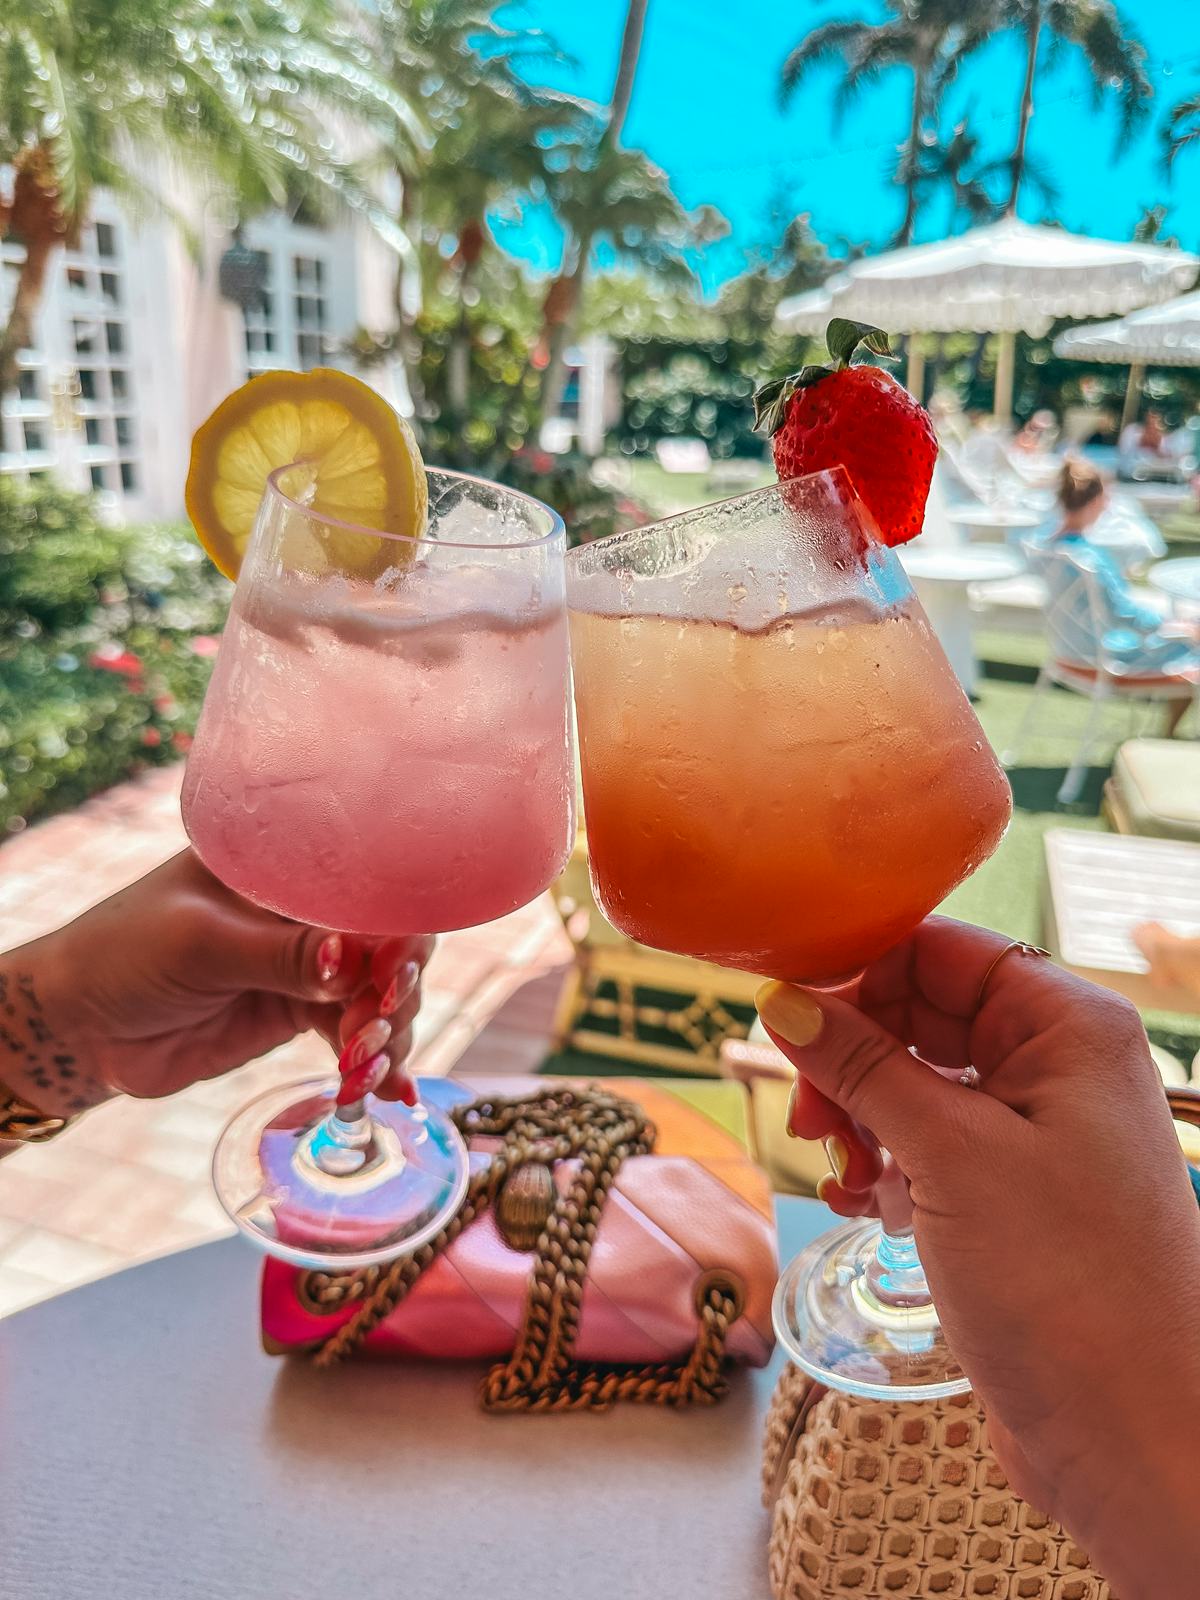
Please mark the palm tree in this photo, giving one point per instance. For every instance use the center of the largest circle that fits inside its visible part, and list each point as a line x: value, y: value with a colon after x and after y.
x: 954, y: 164
x: 486, y: 127
x: 931, y: 38
x: 603, y: 194
x: 495, y: 151
x: 442, y: 54
x: 1114, y: 55
x: 627, y: 62
x: 1148, y: 229
x: 615, y: 203
x: 90, y: 88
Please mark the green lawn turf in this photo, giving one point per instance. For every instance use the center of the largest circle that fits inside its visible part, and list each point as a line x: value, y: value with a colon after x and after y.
x: 665, y: 493
x: 1006, y: 892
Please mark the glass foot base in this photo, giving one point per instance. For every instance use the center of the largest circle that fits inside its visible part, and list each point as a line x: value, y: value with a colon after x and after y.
x: 833, y: 1321
x: 303, y: 1193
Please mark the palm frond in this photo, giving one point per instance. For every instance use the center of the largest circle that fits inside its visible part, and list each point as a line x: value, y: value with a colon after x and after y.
x: 1115, y: 55
x: 960, y: 42
x: 889, y: 45
x: 1040, y: 176
x: 1182, y: 128
x: 828, y: 42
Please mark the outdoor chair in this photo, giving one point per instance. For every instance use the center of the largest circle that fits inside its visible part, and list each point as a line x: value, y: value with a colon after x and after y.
x: 623, y: 1000
x: 1102, y: 679
x: 1154, y: 790
x: 794, y: 1166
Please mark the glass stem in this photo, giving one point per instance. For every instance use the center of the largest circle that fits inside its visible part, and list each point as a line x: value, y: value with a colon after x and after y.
x: 895, y: 1276
x: 344, y: 1142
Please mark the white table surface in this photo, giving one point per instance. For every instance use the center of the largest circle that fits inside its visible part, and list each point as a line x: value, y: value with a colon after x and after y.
x: 942, y: 575
x: 152, y: 1452
x: 1179, y: 578
x: 996, y: 517
x: 970, y: 563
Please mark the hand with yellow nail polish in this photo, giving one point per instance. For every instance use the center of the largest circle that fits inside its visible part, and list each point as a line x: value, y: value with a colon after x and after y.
x: 1053, y: 1213
x: 855, y: 1160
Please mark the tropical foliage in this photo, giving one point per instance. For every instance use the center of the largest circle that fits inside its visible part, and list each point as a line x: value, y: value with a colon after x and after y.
x: 106, y: 640
x: 1182, y: 128
x: 690, y: 369
x: 245, y: 94
x: 931, y: 39
x: 1114, y: 56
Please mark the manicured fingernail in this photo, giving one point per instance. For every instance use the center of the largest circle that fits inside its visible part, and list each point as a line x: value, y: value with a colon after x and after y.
x: 827, y: 1183
x: 364, y: 1079
x: 839, y: 1156
x: 400, y: 986
x: 368, y: 1041
x: 406, y: 1089
x: 791, y: 1112
x: 792, y: 1013
x: 329, y: 957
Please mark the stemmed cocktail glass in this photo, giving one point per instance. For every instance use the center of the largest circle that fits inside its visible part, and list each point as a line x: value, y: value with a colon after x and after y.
x: 385, y: 749
x: 781, y: 773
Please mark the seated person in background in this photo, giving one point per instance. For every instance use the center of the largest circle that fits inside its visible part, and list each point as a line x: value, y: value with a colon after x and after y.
x: 1145, y: 438
x: 1181, y: 444
x: 1146, y: 449
x: 1038, y: 434
x: 1096, y: 615
x: 984, y: 452
x: 1120, y: 528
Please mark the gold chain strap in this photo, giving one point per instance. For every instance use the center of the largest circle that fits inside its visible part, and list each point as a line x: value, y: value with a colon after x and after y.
x: 555, y: 1124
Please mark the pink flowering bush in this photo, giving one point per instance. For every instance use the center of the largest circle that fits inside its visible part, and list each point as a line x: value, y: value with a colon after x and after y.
x: 106, y: 643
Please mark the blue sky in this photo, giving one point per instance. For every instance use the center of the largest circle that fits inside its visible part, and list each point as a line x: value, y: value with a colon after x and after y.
x: 705, y: 109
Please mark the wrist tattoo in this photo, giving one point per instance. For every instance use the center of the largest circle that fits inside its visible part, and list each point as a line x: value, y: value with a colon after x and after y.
x: 32, y: 1053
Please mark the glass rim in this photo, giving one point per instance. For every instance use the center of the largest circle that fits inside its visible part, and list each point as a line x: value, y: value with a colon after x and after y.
x: 628, y: 535
x: 557, y: 528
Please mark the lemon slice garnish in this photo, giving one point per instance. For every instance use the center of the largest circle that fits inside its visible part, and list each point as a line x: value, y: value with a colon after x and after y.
x: 353, y: 458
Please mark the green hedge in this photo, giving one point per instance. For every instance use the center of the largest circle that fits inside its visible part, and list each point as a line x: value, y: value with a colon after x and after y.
x: 104, y: 648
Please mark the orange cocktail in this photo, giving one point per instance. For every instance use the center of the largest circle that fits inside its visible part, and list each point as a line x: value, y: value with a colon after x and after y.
x: 780, y: 770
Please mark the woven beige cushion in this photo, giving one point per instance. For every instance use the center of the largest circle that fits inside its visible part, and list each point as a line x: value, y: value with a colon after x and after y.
x: 878, y: 1501
x: 1158, y: 781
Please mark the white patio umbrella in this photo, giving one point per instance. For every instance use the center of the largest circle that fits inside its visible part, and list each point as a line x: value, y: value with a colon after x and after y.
x: 807, y: 313
x: 1006, y: 278
x: 1166, y: 335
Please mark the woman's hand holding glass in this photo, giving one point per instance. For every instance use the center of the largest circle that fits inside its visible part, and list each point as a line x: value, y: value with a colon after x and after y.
x: 176, y: 978
x: 1053, y: 1214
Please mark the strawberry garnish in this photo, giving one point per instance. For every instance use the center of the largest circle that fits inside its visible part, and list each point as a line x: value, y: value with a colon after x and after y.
x: 857, y: 417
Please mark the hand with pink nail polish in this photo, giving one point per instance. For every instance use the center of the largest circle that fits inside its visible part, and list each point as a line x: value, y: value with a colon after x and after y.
x: 393, y: 991
x: 1053, y: 1214
x: 176, y: 979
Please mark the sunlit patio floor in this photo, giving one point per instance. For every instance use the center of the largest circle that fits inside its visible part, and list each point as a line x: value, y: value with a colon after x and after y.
x: 131, y: 1180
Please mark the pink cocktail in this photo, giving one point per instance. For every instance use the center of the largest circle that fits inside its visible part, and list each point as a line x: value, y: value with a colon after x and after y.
x: 387, y: 764
x: 385, y: 749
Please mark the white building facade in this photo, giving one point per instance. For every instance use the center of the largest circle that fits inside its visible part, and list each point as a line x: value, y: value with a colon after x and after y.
x: 135, y: 345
